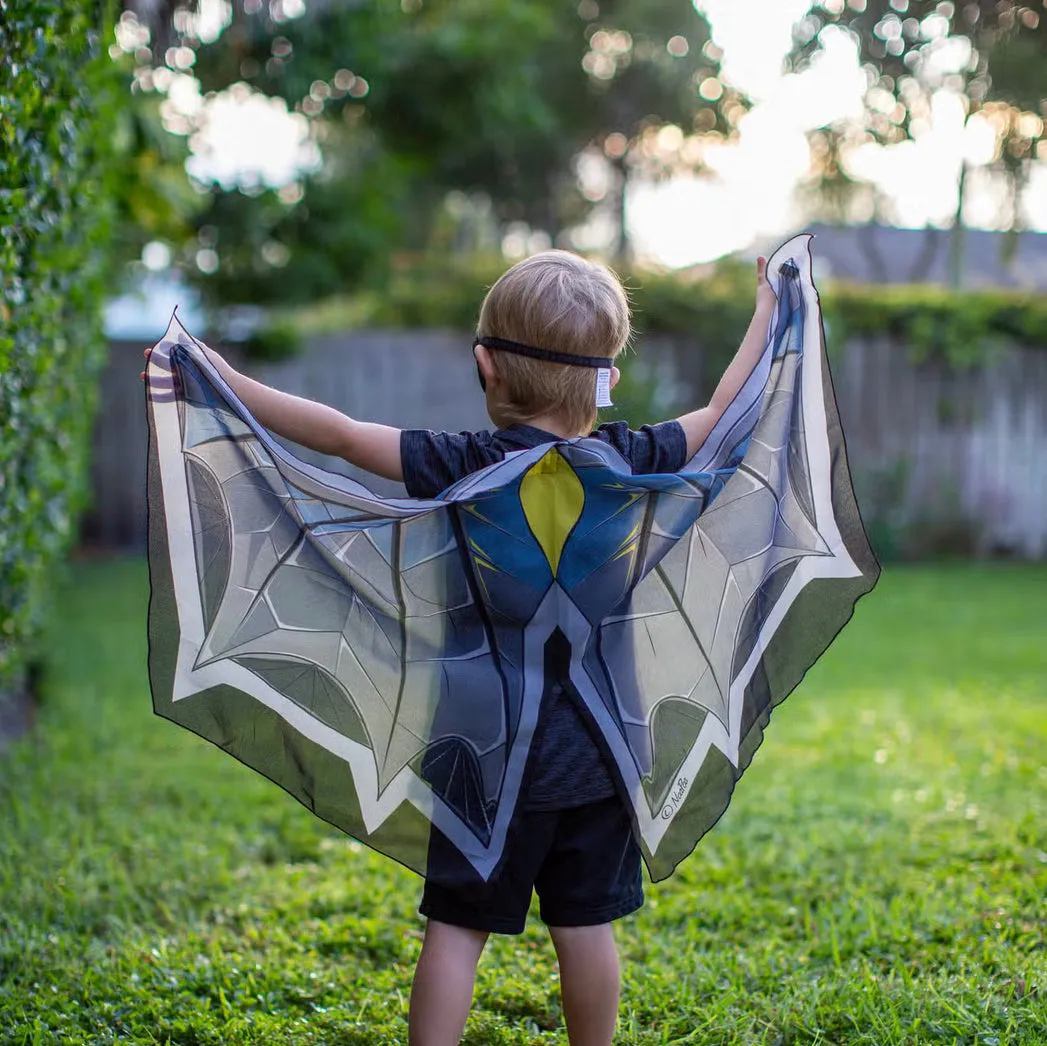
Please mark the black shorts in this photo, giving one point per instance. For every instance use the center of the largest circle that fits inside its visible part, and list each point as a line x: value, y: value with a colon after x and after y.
x: 583, y: 862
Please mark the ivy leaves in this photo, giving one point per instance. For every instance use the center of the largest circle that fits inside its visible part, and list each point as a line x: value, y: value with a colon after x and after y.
x: 57, y: 114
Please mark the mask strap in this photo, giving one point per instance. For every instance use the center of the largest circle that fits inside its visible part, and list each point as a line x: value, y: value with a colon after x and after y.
x: 602, y: 364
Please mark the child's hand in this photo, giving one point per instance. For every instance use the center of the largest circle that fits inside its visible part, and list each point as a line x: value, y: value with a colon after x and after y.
x: 765, y: 296
x: 145, y: 353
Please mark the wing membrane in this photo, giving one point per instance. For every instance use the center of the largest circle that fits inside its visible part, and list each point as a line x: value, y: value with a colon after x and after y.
x: 383, y: 659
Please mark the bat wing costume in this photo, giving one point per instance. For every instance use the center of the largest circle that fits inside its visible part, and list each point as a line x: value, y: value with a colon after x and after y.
x: 383, y: 659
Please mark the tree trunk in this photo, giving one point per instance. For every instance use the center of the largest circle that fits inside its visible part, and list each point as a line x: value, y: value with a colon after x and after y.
x: 958, y: 236
x: 1019, y: 180
x: 921, y: 268
x: 621, y: 248
x: 550, y: 208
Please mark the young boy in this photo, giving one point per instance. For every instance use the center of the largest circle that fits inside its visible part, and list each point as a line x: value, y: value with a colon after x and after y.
x: 545, y: 329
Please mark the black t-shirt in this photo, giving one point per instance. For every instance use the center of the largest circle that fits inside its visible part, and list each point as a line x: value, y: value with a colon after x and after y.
x: 568, y: 767
x: 432, y: 461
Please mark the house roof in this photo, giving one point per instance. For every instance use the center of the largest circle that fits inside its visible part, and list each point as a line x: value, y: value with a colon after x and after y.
x: 883, y: 254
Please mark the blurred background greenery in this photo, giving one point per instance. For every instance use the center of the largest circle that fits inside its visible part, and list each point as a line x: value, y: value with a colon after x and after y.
x: 436, y: 128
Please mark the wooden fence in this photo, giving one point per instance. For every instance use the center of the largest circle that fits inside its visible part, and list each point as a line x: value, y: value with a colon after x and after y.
x: 942, y: 460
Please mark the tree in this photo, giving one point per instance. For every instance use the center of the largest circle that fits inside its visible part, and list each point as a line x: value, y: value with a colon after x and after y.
x: 990, y: 52
x: 152, y: 197
x: 491, y: 98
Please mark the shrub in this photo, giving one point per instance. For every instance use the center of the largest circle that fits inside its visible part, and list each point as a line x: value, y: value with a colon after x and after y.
x: 56, y: 118
x: 962, y: 328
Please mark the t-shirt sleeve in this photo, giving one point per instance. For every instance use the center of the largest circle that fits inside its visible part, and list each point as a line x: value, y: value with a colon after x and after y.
x: 650, y: 449
x: 432, y: 461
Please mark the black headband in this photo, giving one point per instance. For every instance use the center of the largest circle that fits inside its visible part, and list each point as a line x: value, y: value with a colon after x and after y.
x: 601, y: 362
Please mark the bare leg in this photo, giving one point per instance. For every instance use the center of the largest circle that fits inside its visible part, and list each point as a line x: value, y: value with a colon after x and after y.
x: 589, y: 982
x: 443, y: 984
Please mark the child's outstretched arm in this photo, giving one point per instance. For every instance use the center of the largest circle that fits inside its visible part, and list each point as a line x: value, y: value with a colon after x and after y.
x: 699, y: 423
x: 373, y: 447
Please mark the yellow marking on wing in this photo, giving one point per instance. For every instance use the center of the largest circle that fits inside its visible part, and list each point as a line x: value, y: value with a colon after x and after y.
x: 474, y: 511
x: 480, y: 553
x: 552, y: 497
x: 629, y: 550
x: 629, y: 547
x: 632, y: 499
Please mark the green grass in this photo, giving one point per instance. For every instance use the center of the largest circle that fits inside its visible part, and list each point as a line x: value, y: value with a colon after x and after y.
x: 879, y: 879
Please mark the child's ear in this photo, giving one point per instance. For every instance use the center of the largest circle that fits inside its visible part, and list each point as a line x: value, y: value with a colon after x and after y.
x: 485, y: 362
x: 615, y: 375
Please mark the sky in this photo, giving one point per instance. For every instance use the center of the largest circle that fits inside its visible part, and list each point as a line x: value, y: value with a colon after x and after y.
x: 748, y: 194
x: 745, y: 194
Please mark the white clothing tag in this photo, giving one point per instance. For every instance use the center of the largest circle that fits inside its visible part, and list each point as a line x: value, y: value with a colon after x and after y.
x: 603, y: 387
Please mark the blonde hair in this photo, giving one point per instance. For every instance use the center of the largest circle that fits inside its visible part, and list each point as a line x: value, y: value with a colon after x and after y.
x: 558, y: 301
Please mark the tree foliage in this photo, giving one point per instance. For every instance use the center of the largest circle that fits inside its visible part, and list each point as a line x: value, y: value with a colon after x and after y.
x: 493, y: 99
x: 55, y: 219
x: 992, y: 53
x: 960, y: 329
x: 152, y: 198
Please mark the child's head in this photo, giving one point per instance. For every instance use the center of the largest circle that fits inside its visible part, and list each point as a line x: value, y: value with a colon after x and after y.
x: 561, y: 302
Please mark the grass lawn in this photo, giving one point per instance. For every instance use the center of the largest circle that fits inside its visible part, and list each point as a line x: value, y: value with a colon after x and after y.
x: 879, y: 879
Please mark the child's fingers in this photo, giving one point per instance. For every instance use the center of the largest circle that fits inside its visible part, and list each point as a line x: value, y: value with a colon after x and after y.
x: 761, y: 267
